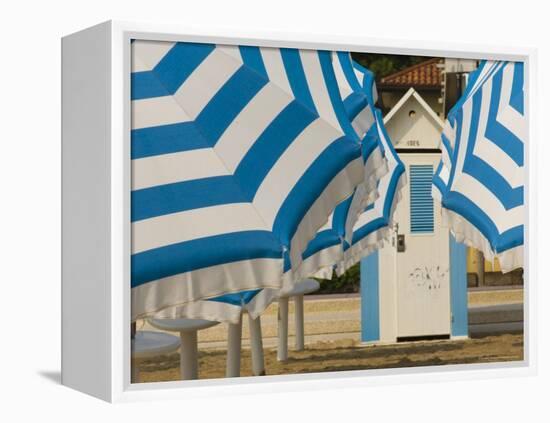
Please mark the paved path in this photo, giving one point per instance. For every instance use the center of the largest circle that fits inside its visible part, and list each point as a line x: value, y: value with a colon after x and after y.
x: 503, y: 318
x: 333, y: 318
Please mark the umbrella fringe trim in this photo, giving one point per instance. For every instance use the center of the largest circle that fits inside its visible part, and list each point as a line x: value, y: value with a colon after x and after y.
x: 376, y: 239
x: 466, y: 233
x: 368, y: 191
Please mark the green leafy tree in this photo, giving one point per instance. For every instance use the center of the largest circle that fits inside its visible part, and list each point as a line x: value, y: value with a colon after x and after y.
x: 349, y: 282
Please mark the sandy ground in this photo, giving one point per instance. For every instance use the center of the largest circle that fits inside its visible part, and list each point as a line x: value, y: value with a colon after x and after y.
x: 332, y: 327
x: 349, y: 355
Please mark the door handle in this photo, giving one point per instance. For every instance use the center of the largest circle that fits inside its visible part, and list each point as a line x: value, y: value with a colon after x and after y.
x: 400, y: 243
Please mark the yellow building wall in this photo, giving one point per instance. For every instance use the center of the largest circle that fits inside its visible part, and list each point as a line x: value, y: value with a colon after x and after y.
x: 471, y: 262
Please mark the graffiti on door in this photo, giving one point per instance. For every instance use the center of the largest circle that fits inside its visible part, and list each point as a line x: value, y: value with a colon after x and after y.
x: 428, y: 277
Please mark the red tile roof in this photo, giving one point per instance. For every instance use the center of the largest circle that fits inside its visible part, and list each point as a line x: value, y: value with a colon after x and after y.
x: 422, y: 75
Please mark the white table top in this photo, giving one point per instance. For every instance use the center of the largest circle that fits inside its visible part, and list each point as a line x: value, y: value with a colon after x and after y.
x: 303, y: 287
x: 148, y: 344
x: 182, y: 325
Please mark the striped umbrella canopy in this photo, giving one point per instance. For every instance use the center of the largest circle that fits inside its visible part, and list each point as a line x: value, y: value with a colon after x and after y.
x: 373, y: 226
x: 239, y: 155
x: 358, y: 89
x: 358, y: 93
x: 480, y: 179
x: 351, y: 234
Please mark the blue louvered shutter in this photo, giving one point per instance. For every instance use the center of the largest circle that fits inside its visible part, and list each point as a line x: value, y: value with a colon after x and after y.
x: 422, y: 205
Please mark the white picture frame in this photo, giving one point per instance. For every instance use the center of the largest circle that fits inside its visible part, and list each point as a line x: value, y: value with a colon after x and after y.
x: 96, y: 226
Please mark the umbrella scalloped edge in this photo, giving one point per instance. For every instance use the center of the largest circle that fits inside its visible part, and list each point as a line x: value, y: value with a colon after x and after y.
x: 220, y: 311
x: 375, y: 168
x: 374, y: 240
x: 468, y: 234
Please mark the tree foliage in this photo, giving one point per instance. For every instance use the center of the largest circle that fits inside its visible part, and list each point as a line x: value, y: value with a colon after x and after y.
x: 349, y: 282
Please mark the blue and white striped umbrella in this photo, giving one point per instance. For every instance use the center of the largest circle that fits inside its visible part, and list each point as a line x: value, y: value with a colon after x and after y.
x: 480, y: 178
x: 346, y: 238
x: 358, y: 89
x: 239, y: 155
x: 373, y: 226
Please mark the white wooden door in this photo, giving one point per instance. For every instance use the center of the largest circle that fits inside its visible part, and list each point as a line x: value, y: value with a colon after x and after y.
x: 422, y: 269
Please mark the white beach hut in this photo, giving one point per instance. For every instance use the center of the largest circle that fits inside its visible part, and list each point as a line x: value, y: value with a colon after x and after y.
x: 415, y: 286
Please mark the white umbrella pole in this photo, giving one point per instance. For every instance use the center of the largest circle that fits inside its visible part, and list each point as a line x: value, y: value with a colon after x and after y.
x: 299, y: 322
x: 256, y: 347
x: 282, y: 317
x: 234, y: 335
x: 188, y: 355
